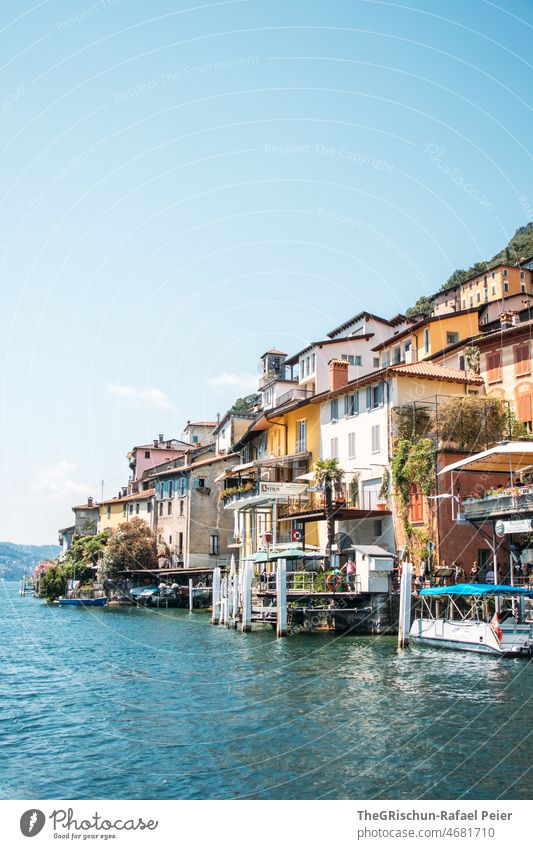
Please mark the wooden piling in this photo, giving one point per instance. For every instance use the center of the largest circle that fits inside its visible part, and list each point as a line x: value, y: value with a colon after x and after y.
x: 236, y: 579
x: 404, y: 622
x: 247, y: 574
x: 281, y: 598
x: 224, y: 607
x: 191, y: 599
x: 215, y: 613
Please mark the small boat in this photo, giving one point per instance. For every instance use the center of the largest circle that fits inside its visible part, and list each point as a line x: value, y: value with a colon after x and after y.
x: 83, y: 602
x: 484, y: 618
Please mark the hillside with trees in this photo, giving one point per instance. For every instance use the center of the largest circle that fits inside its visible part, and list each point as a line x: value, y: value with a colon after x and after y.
x: 18, y: 560
x: 519, y: 247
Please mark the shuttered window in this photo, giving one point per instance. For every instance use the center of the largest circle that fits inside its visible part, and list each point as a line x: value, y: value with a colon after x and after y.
x: 524, y: 409
x: 522, y: 364
x: 351, y: 446
x: 494, y: 366
x: 416, y: 503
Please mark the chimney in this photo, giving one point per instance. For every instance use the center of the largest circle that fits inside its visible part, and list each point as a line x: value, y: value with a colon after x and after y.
x: 155, y: 443
x: 89, y: 502
x: 338, y: 374
x: 507, y: 319
x: 161, y: 435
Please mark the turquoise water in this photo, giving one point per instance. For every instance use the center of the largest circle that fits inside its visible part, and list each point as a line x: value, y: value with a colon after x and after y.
x: 162, y: 705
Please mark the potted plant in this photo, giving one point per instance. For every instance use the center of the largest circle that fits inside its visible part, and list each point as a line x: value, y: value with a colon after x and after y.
x: 383, y: 494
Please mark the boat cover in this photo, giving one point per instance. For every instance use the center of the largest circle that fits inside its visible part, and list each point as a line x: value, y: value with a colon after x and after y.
x: 478, y: 589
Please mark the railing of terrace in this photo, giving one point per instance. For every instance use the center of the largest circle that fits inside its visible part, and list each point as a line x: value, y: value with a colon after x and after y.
x: 305, y: 582
x: 495, y: 504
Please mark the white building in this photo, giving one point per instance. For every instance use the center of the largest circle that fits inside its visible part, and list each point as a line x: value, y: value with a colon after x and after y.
x: 356, y: 427
x: 353, y: 342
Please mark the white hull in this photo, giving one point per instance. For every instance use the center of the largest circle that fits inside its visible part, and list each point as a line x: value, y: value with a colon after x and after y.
x: 469, y: 635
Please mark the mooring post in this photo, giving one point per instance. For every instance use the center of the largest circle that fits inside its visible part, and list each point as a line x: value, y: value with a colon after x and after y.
x: 404, y: 620
x: 190, y: 595
x: 229, y: 600
x: 236, y: 579
x: 215, y: 600
x: 225, y: 600
x: 246, y: 626
x: 281, y: 598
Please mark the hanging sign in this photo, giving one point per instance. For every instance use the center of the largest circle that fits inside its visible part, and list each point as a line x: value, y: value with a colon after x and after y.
x: 513, y: 526
x: 280, y: 490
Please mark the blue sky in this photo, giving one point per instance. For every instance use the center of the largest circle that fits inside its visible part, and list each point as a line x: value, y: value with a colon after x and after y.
x: 187, y: 184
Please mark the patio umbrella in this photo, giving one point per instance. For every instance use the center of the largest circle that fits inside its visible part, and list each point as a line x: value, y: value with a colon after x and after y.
x: 288, y: 554
x: 258, y: 557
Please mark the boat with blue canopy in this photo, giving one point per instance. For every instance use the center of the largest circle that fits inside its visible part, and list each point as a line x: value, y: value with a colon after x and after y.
x: 478, y: 589
x: 492, y: 619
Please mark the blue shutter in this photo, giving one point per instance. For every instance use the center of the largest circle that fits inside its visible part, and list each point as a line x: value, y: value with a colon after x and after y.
x: 368, y: 397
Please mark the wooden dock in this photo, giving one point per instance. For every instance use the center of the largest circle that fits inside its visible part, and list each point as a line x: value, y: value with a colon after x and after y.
x: 244, y: 600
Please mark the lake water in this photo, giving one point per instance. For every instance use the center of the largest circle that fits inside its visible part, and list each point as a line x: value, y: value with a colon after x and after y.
x: 161, y: 705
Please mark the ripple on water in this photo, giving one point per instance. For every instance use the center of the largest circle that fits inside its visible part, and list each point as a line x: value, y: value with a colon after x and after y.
x: 140, y: 704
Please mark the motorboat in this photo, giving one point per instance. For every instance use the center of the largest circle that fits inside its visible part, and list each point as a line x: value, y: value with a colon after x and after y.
x: 83, y: 602
x: 486, y: 618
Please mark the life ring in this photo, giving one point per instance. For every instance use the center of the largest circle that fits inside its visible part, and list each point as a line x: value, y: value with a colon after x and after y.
x: 333, y: 582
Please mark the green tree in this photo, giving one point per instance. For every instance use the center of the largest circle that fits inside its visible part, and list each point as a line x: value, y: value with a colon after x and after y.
x: 423, y: 307
x: 52, y: 583
x: 329, y: 475
x: 245, y: 404
x: 454, y: 279
x: 87, y: 550
x: 132, y: 545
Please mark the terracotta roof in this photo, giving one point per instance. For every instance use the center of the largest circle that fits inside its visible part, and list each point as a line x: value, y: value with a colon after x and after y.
x: 214, y: 458
x: 274, y: 351
x: 137, y: 496
x: 430, y: 371
x: 503, y: 331
x: 201, y: 424
x: 93, y: 506
x: 436, y: 372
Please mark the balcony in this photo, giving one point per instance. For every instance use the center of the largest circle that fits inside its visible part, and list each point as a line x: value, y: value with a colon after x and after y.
x: 314, y: 503
x: 516, y: 502
x: 233, y: 495
x: 293, y: 395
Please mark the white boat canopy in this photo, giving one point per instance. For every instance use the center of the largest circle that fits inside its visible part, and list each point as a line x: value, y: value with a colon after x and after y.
x: 509, y: 457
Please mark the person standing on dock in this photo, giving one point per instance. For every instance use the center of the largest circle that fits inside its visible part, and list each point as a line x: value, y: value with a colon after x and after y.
x: 350, y: 571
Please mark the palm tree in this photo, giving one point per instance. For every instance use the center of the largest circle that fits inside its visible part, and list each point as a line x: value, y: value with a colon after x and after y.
x: 329, y: 475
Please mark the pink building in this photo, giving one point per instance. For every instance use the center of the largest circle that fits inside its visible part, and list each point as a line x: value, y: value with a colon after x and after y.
x: 145, y: 457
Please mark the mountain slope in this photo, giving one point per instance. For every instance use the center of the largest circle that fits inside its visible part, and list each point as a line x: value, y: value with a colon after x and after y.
x: 17, y: 560
x: 519, y: 246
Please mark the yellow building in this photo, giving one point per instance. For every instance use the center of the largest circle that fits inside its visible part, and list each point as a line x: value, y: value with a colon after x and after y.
x: 115, y: 511
x: 428, y: 337
x: 494, y: 284
x: 278, y: 448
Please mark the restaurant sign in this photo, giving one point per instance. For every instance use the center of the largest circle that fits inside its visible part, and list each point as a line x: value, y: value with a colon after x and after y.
x: 281, y: 490
x: 514, y: 526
